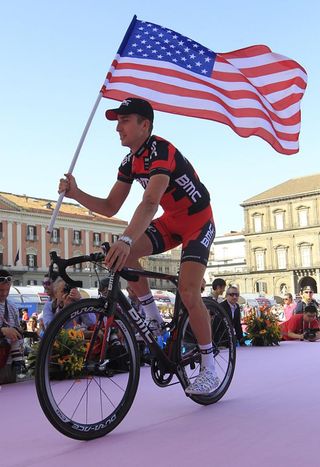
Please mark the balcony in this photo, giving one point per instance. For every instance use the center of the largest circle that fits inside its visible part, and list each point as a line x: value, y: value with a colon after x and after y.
x: 32, y: 238
x: 76, y: 241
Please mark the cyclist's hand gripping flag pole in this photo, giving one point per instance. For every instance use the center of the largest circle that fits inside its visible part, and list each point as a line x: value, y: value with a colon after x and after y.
x: 253, y: 90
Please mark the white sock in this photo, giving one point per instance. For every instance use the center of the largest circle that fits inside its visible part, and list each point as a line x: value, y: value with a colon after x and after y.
x: 207, y: 360
x: 150, y: 307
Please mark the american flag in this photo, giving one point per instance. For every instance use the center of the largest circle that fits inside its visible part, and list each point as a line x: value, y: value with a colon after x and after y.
x: 253, y: 90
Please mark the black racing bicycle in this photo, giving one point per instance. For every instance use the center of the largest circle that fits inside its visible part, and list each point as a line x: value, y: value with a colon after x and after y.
x: 87, y: 375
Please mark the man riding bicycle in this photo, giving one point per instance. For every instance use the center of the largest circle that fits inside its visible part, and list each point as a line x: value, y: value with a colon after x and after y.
x: 169, y: 181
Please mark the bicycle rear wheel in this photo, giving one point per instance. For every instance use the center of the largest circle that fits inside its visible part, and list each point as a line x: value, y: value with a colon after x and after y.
x: 83, y: 396
x: 224, y: 344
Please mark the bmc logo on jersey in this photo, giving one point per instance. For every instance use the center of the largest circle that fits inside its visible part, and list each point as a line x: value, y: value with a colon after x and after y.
x: 209, y: 235
x: 126, y: 159
x: 185, y: 182
x: 153, y: 149
x: 143, y: 182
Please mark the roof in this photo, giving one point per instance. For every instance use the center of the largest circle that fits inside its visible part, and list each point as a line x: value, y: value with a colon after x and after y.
x: 294, y: 187
x: 30, y: 204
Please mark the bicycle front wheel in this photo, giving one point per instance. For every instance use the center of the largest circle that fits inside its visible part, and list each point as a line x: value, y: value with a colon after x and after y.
x: 224, y: 351
x: 86, y: 384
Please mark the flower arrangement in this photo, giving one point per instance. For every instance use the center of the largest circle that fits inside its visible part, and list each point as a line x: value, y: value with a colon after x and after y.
x: 67, y: 355
x: 262, y: 327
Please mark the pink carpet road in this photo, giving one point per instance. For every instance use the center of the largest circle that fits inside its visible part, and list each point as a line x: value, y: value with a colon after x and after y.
x: 269, y: 417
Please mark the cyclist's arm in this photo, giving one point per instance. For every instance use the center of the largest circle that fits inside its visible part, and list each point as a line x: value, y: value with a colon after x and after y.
x: 146, y: 210
x: 106, y: 206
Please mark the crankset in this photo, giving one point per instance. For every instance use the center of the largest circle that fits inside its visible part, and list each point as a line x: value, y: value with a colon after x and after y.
x: 160, y: 374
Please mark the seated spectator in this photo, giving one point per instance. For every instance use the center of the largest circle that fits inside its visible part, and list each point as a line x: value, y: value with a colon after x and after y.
x: 306, y: 294
x: 9, y: 325
x: 233, y: 309
x: 288, y: 306
x: 300, y: 326
x: 218, y: 288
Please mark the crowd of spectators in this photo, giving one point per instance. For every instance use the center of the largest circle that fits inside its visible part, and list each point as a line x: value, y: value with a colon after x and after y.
x: 298, y: 318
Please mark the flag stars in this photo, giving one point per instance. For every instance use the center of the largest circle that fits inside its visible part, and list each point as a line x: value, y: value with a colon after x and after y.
x: 166, y: 41
x: 198, y: 64
x: 195, y: 46
x: 160, y: 35
x: 201, y: 52
x: 204, y: 71
x: 186, y: 49
x: 192, y: 56
x: 207, y: 59
x: 180, y: 43
x: 160, y: 56
x: 138, y: 36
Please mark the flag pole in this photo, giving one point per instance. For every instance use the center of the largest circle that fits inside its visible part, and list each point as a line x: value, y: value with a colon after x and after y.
x: 73, y: 162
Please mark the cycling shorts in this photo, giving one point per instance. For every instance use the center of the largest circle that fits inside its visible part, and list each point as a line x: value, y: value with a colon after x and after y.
x: 196, y: 234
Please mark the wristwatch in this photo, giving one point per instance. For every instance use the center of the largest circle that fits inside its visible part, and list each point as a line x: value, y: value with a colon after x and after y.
x: 126, y: 239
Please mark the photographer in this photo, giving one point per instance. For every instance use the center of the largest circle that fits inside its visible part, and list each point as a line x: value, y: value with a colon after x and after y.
x: 302, y: 326
x: 63, y: 296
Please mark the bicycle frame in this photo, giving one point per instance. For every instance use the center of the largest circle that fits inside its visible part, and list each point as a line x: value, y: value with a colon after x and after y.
x: 114, y: 295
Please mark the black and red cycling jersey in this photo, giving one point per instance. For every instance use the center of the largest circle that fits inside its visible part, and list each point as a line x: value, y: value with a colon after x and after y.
x: 185, y: 192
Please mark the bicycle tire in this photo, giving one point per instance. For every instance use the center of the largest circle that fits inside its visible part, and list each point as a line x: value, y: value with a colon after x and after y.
x: 64, y: 398
x: 224, y: 344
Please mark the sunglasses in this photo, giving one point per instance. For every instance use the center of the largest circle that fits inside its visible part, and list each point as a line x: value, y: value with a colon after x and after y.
x: 46, y: 283
x: 307, y: 291
x: 233, y: 294
x: 4, y: 280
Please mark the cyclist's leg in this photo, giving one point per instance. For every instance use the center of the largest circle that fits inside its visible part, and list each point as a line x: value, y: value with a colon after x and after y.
x: 156, y: 239
x: 190, y: 278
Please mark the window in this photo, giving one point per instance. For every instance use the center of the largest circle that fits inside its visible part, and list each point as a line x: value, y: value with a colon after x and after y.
x: 279, y: 220
x: 55, y: 236
x: 96, y: 239
x: 1, y: 230
x: 1, y: 259
x: 32, y: 261
x: 259, y: 254
x: 261, y: 286
x: 305, y: 254
x: 303, y: 217
x: 32, y: 282
x: 114, y: 238
x: 282, y: 258
x: 257, y: 222
x: 78, y: 267
x: 31, y: 233
x: 76, y: 237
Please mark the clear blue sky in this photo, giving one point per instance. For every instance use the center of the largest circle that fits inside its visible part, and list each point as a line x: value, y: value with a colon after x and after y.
x: 54, y: 58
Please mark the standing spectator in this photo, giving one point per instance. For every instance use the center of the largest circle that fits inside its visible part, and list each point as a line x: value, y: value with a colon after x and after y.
x: 306, y: 295
x: 288, y: 306
x: 9, y: 324
x: 218, y: 288
x: 233, y: 309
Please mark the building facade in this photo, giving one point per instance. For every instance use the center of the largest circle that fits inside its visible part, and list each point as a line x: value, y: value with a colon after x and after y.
x: 282, y: 239
x: 25, y: 244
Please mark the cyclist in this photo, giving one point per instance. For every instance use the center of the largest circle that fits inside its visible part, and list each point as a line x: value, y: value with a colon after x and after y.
x: 169, y: 181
